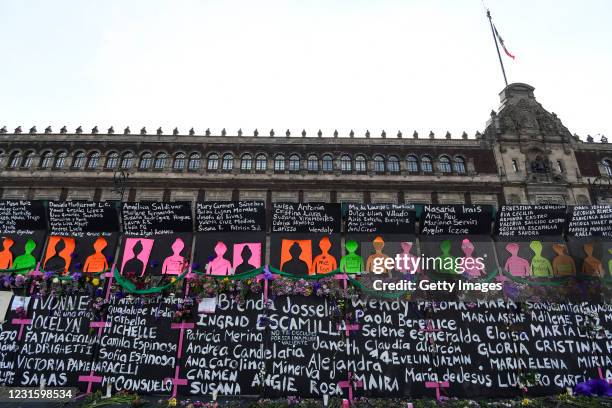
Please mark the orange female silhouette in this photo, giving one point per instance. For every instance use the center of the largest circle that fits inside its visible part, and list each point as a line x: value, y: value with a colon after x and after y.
x: 378, y: 243
x: 324, y: 263
x: 563, y: 264
x: 591, y: 265
x: 97, y: 261
x: 59, y: 254
x: 6, y: 256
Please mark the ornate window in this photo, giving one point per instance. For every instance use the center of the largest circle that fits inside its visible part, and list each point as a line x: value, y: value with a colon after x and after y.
x: 361, y: 165
x: 445, y: 165
x: 92, y: 160
x: 194, y: 162
x: 346, y: 164
x: 279, y: 162
x: 213, y: 161
x: 459, y: 165
x: 607, y: 165
x: 379, y: 163
x: 46, y: 160
x: 180, y: 160
x: 78, y: 161
x: 246, y: 162
x: 328, y: 162
x: 412, y: 163
x: 15, y: 160
x: 294, y: 162
x: 312, y: 163
x: 393, y: 164
x: 426, y: 164
x: 112, y: 161
x: 127, y: 160
x: 60, y: 159
x: 261, y: 162
x: 28, y: 160
x: 146, y: 159
x: 228, y: 162
x: 160, y: 161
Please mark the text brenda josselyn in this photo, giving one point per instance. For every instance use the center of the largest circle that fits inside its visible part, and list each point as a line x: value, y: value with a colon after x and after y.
x: 413, y: 263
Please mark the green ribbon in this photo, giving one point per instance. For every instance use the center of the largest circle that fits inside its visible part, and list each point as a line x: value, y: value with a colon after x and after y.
x: 129, y: 286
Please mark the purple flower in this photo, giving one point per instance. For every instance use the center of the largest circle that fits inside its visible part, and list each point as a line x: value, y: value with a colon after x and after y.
x: 19, y: 280
x: 195, y: 266
x: 76, y: 276
x: 48, y: 275
x: 594, y: 387
x: 99, y: 292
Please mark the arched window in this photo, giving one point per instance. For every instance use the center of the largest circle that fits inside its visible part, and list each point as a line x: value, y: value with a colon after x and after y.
x: 28, y: 160
x: 78, y: 161
x: 379, y: 163
x: 112, y: 161
x: 279, y: 162
x: 426, y: 164
x: 127, y: 160
x: 46, y: 160
x: 194, y: 162
x: 15, y: 160
x: 146, y: 159
x: 445, y: 165
x: 361, y: 165
x: 346, y: 163
x: 60, y: 159
x: 393, y: 164
x: 228, y: 161
x: 607, y: 164
x: 160, y: 161
x: 179, y: 161
x: 261, y: 162
x: 412, y: 163
x: 246, y: 162
x: 460, y: 165
x: 212, y: 162
x: 294, y: 162
x: 93, y: 160
x: 328, y: 162
x: 312, y: 163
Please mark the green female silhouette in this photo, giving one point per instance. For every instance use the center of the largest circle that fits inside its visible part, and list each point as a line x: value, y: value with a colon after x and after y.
x: 351, y: 262
x: 445, y: 263
x: 540, y: 266
x: 27, y: 260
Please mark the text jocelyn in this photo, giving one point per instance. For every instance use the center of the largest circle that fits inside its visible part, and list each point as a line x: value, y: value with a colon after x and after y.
x: 426, y: 285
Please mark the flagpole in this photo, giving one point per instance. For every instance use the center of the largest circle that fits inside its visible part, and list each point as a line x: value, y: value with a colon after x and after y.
x: 501, y: 62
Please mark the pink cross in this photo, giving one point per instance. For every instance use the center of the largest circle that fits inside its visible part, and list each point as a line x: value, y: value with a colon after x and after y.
x: 349, y: 384
x: 176, y: 381
x: 429, y: 329
x: 21, y: 323
x: 266, y: 276
x: 100, y: 326
x: 344, y: 277
x: 110, y: 275
x: 182, y: 327
x: 601, y: 375
x: 437, y: 386
x: 348, y: 327
x: 35, y: 273
x: 90, y: 379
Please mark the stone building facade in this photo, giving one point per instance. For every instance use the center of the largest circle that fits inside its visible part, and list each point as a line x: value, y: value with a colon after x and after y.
x: 524, y: 155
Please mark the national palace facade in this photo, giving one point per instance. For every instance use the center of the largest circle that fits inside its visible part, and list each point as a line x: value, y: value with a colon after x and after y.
x: 524, y: 155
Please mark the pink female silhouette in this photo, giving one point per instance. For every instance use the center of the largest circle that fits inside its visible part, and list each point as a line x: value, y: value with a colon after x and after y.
x: 470, y: 265
x: 516, y: 265
x: 410, y: 263
x: 219, y: 265
x: 173, y: 265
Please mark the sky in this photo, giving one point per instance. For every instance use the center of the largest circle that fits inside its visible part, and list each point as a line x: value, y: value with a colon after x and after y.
x: 317, y: 64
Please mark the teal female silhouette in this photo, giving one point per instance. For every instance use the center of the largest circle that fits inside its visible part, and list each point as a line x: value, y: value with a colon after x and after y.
x: 351, y: 262
x: 445, y: 263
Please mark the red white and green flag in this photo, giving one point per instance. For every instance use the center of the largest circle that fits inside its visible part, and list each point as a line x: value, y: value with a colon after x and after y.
x: 501, y: 41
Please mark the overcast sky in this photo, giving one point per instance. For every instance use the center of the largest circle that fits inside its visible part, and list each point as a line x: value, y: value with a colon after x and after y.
x: 392, y: 65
